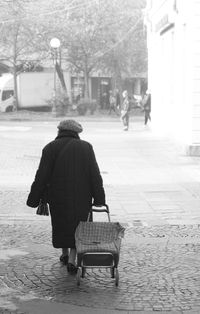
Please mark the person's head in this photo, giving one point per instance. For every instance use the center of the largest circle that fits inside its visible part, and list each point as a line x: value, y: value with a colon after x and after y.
x: 125, y: 93
x: 69, y: 125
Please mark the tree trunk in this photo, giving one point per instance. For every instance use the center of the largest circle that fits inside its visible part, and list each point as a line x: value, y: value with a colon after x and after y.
x: 61, y: 77
x: 16, y: 100
x: 86, y: 81
x: 118, y: 80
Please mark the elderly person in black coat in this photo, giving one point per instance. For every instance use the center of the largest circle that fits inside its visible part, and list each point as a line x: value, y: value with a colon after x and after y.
x: 69, y: 171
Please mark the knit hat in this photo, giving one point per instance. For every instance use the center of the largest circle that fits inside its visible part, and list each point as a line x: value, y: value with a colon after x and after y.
x: 70, y: 125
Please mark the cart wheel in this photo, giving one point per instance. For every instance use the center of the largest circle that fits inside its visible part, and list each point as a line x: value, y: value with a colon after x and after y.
x: 78, y: 276
x: 116, y: 277
x: 112, y: 272
x: 83, y: 272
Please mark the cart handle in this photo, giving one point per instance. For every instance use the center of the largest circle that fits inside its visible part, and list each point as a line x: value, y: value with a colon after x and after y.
x: 99, y: 209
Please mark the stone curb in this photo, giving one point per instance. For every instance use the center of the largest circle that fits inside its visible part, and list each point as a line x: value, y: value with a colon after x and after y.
x: 41, y: 116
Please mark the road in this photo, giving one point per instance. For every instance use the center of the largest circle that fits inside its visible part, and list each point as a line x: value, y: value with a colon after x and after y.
x: 146, y: 177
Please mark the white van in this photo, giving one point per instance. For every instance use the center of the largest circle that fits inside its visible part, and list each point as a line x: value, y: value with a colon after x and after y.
x: 6, y: 92
x: 34, y: 90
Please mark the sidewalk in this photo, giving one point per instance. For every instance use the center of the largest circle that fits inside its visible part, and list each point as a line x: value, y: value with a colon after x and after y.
x: 159, y: 271
x: 26, y: 115
x: 152, y: 189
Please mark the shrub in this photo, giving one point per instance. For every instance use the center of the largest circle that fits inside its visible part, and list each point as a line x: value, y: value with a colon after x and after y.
x: 62, y: 103
x: 85, y: 105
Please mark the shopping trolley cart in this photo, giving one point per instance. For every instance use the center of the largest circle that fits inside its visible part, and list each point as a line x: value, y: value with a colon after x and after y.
x: 98, y: 244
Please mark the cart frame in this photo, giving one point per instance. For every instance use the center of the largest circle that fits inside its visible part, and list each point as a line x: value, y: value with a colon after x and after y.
x: 110, y: 260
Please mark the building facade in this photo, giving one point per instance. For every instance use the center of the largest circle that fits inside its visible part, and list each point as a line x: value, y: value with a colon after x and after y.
x: 37, y: 89
x: 101, y: 85
x: 173, y: 36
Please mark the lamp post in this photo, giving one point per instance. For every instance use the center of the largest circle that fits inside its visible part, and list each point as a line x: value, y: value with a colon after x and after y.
x: 55, y: 45
x: 99, y: 89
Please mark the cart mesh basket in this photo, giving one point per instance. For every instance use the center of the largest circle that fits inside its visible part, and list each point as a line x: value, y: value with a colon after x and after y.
x: 98, y: 237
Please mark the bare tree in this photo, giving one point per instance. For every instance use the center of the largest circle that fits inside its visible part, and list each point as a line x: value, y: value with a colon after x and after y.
x: 15, y: 35
x: 95, y: 34
x: 126, y: 50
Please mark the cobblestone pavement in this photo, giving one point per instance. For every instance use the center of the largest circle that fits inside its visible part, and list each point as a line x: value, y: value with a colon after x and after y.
x: 159, y: 262
x: 159, y: 270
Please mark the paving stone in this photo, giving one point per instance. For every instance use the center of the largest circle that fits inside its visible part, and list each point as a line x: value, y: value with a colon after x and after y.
x: 145, y: 278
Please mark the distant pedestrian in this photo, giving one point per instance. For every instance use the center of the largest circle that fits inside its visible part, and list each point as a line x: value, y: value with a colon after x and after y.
x: 78, y: 98
x: 125, y: 110
x: 118, y: 101
x: 105, y: 100
x: 69, y: 175
x: 112, y: 103
x: 147, y: 107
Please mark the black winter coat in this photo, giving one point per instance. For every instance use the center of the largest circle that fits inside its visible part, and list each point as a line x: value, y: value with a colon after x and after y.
x: 68, y: 166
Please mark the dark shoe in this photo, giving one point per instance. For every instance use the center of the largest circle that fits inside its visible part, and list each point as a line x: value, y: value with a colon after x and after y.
x: 64, y: 259
x: 71, y: 268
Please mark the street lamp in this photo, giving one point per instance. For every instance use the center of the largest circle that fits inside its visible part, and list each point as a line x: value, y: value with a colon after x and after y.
x: 99, y: 89
x: 55, y: 45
